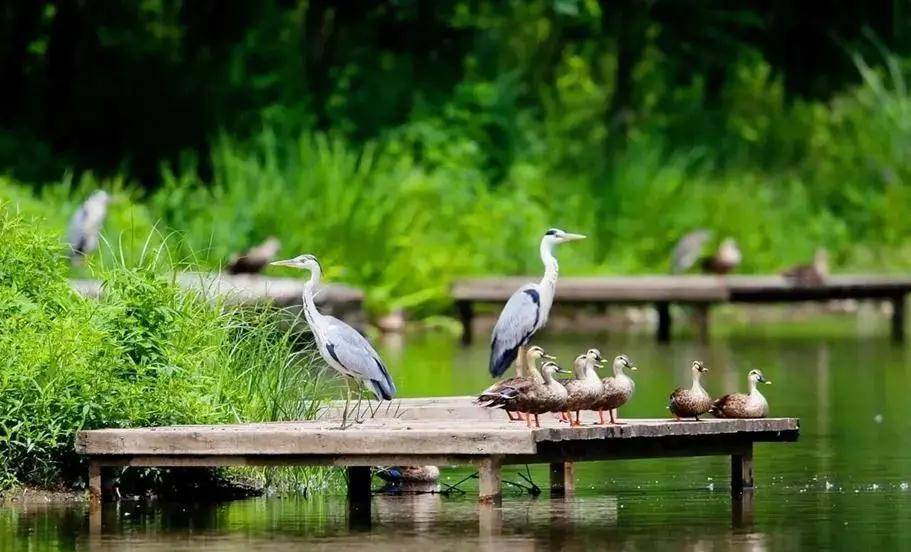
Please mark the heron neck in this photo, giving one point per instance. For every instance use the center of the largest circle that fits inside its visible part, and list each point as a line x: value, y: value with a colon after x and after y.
x: 551, y: 268
x: 310, y: 312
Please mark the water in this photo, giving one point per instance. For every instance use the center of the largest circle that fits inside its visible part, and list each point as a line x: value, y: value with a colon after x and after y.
x: 844, y: 485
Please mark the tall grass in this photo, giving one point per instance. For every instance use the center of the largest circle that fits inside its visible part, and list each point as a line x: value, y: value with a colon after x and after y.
x: 146, y: 353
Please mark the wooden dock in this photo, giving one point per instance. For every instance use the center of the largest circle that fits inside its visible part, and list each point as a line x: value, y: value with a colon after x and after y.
x: 699, y: 291
x: 337, y: 299
x: 445, y: 431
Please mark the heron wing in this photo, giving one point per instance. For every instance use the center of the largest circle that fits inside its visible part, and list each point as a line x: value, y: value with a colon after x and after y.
x: 358, y: 357
x: 75, y: 234
x: 688, y: 250
x: 517, y: 323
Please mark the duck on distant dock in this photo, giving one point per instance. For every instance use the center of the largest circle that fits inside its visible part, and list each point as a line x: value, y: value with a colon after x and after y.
x: 692, y: 402
x: 253, y: 260
x: 526, y: 371
x: 813, y: 274
x: 725, y: 260
x: 616, y: 390
x: 585, y: 387
x: 744, y: 405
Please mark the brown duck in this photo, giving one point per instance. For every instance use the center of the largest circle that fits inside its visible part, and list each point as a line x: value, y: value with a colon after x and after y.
x: 616, y: 390
x: 744, y: 405
x: 526, y: 371
x: 692, y: 402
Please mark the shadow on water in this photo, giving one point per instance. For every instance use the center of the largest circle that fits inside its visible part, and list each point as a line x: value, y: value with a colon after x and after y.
x: 844, y: 485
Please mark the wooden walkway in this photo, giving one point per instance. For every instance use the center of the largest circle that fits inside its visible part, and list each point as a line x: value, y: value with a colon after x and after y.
x: 336, y: 299
x: 446, y: 431
x: 701, y: 291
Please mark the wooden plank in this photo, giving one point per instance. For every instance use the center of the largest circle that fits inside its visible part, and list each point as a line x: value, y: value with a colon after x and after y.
x: 688, y: 289
x: 247, y: 289
x: 207, y: 440
x: 613, y: 289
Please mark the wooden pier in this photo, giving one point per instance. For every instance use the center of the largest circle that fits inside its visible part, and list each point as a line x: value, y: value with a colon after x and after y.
x: 337, y: 299
x: 445, y: 431
x: 699, y: 291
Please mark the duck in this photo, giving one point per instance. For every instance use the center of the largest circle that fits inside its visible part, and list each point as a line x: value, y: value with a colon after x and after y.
x: 692, y: 402
x: 725, y: 260
x: 586, y: 386
x: 616, y: 390
x: 526, y: 370
x: 744, y: 405
x: 813, y: 274
x: 533, y: 396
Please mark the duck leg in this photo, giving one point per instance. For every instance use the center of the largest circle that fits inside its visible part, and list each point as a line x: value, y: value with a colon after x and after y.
x: 576, y: 423
x: 528, y: 420
x: 537, y: 423
x: 601, y: 417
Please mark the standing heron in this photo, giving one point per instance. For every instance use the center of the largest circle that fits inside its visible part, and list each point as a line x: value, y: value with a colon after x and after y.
x: 341, y: 346
x: 527, y: 310
x: 688, y: 250
x: 85, y: 226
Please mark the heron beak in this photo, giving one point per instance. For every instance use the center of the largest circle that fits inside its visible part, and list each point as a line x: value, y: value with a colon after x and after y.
x: 573, y: 237
x: 287, y: 262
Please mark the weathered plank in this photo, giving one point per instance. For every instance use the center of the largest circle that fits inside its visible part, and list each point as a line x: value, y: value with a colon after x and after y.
x: 247, y: 289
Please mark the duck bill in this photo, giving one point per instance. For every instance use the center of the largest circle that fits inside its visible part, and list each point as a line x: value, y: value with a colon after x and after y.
x: 767, y: 382
x: 562, y: 371
x: 634, y: 368
x: 549, y: 357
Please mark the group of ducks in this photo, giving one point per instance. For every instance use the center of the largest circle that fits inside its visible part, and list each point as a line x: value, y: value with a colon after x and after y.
x: 535, y: 391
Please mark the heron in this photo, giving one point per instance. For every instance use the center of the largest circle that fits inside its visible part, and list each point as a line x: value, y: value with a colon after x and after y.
x: 341, y: 346
x: 688, y: 250
x: 85, y: 226
x: 527, y: 310
x: 254, y: 259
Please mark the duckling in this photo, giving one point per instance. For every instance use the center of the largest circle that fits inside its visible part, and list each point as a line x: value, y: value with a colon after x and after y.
x: 532, y: 396
x: 527, y: 369
x: 742, y: 405
x: 586, y: 388
x: 692, y: 402
x: 616, y: 390
x: 813, y: 274
x: 726, y: 259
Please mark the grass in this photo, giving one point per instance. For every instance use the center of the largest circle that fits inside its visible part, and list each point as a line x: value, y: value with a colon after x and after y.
x: 144, y: 354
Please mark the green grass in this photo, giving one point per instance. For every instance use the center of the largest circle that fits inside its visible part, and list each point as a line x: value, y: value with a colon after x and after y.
x: 146, y: 353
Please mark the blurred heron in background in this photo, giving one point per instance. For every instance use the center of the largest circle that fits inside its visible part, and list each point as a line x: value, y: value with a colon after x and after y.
x: 254, y: 259
x: 688, y: 250
x: 527, y: 310
x: 85, y: 226
x: 341, y: 346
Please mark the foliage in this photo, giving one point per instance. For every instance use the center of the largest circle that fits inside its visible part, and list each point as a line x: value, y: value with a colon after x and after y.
x: 144, y: 354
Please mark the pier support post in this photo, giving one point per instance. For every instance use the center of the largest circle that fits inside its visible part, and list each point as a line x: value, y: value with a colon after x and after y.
x: 562, y: 478
x: 466, y: 314
x: 95, y: 481
x: 489, y: 480
x: 358, y: 497
x: 664, y: 321
x: 742, y: 470
x: 898, y: 318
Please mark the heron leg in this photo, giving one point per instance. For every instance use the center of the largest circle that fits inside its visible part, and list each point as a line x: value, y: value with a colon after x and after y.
x: 347, y: 403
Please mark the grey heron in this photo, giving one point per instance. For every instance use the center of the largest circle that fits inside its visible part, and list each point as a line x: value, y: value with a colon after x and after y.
x: 341, y: 346
x: 726, y: 259
x: 527, y: 310
x: 688, y: 250
x: 85, y: 225
x: 254, y: 259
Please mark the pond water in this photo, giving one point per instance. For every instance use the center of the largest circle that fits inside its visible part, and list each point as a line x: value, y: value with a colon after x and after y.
x: 845, y: 485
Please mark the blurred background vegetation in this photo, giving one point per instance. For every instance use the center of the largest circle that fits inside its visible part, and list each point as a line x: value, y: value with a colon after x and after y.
x: 407, y: 142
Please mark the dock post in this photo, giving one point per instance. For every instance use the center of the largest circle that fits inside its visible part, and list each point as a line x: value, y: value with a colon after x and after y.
x: 742, y: 470
x: 466, y: 313
x: 664, y: 321
x: 95, y: 481
x: 898, y: 318
x: 489, y: 479
x: 358, y: 497
x: 562, y: 478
